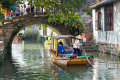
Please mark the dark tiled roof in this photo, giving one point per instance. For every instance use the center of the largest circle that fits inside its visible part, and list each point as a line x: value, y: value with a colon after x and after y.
x: 102, y: 3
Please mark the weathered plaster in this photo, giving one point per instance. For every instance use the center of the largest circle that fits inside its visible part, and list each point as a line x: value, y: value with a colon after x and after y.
x: 109, y: 37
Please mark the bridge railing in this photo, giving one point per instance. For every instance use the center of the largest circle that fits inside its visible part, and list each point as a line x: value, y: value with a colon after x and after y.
x: 17, y: 18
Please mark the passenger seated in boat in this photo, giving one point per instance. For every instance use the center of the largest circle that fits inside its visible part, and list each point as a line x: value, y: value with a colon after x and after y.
x: 71, y: 49
x: 60, y: 48
x: 68, y: 50
x: 65, y: 47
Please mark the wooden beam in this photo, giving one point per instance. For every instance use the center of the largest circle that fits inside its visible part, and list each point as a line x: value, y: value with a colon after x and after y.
x: 56, y: 47
x: 70, y: 41
x: 53, y: 44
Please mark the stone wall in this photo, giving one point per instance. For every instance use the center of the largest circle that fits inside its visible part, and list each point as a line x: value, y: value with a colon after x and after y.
x: 109, y: 48
x: 88, y: 34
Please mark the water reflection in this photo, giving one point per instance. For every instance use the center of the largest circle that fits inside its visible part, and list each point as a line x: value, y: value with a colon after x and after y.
x: 106, y: 67
x: 31, y: 61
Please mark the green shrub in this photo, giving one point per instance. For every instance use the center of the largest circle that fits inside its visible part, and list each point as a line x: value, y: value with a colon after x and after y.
x: 119, y: 53
x: 95, y: 46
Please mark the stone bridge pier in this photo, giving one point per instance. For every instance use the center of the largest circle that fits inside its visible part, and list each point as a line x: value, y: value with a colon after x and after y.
x: 11, y: 27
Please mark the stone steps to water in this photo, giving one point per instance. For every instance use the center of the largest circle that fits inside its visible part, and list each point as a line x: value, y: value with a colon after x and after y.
x: 90, y: 50
x: 88, y: 43
x: 88, y: 46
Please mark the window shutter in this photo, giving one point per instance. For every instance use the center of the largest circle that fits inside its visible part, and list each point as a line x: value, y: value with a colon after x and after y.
x: 99, y: 20
x: 109, y: 18
x: 96, y: 20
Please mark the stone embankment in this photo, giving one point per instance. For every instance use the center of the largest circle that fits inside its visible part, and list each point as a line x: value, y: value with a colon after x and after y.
x: 90, y: 46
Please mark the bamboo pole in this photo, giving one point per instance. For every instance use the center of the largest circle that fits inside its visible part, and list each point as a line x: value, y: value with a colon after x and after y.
x: 70, y: 41
x: 56, y: 47
x: 89, y: 63
x: 73, y: 40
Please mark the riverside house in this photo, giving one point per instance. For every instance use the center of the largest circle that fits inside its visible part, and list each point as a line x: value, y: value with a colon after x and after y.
x: 106, y: 25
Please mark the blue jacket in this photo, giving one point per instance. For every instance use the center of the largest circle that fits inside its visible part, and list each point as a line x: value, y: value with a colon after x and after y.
x: 60, y: 49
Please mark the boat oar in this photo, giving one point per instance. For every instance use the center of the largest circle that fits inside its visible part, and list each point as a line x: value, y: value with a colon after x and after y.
x: 89, y: 63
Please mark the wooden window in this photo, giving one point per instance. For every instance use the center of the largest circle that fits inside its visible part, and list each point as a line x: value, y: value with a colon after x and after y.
x: 98, y: 19
x: 109, y: 17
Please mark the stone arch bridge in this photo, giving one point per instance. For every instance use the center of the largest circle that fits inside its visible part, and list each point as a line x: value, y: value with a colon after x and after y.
x: 11, y: 27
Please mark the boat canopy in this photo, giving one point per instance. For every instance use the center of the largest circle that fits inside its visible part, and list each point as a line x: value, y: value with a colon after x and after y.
x: 63, y: 36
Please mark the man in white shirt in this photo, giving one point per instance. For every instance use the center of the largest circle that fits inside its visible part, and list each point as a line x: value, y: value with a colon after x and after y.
x: 76, y: 47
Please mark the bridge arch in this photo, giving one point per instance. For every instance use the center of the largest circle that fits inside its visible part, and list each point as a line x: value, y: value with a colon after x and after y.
x: 10, y: 28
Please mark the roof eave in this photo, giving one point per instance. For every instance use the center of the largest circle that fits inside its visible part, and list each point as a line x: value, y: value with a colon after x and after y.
x: 102, y: 3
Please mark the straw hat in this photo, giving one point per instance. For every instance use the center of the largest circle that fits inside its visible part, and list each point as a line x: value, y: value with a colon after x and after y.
x: 79, y: 36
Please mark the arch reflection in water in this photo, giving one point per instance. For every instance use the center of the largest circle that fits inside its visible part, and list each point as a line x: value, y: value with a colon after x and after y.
x: 31, y: 61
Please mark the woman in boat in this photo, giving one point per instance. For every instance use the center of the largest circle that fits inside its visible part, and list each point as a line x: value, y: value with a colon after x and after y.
x: 60, y: 48
x: 65, y: 48
x: 76, y: 47
x: 71, y: 49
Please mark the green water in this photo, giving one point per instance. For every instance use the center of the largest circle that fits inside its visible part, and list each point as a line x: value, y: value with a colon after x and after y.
x: 31, y: 60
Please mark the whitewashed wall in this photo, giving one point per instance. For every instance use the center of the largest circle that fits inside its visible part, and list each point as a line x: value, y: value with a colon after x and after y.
x: 117, y: 21
x: 32, y: 30
x: 39, y: 30
x: 110, y: 37
x: 93, y: 21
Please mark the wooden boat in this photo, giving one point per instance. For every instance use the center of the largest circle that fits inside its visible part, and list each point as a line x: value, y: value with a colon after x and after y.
x: 66, y: 59
x: 1, y: 51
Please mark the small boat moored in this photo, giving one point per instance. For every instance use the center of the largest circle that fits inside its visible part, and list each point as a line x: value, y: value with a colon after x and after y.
x: 66, y: 59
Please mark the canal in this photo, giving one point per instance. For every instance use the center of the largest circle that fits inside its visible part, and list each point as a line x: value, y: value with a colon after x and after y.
x: 31, y: 60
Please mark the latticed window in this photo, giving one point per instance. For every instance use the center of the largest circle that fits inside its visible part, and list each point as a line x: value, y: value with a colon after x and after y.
x: 98, y: 19
x: 109, y: 17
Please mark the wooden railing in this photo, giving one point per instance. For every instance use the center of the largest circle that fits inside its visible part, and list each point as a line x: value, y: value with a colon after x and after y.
x: 53, y: 51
